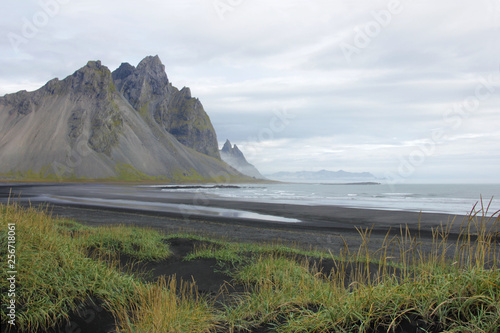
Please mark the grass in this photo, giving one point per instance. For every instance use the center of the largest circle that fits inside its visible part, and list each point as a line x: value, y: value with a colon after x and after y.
x: 453, y: 286
x: 161, y: 309
x: 139, y: 243
x: 55, y: 274
x: 127, y: 173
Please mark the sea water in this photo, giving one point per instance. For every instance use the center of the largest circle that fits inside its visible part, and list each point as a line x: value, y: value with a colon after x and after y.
x: 437, y: 198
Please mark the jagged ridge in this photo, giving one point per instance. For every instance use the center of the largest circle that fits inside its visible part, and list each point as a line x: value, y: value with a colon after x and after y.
x: 233, y: 156
x: 149, y: 91
x: 95, y: 124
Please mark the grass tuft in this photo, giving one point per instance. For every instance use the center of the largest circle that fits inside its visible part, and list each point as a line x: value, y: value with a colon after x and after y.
x: 158, y: 308
x: 139, y: 243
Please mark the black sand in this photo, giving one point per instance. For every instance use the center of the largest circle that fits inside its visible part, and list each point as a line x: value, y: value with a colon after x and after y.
x: 322, y: 227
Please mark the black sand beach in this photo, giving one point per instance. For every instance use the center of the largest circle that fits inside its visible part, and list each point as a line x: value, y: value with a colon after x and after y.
x: 322, y: 226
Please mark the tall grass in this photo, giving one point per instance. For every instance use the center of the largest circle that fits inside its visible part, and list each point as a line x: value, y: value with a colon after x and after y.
x: 158, y: 308
x: 55, y: 275
x: 450, y: 284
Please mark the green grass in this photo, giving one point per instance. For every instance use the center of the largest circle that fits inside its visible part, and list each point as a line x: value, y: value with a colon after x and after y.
x: 453, y: 287
x: 160, y: 309
x: 54, y: 274
x: 125, y: 173
x: 138, y: 243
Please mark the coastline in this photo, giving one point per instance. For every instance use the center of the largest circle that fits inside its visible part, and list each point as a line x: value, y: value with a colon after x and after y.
x: 325, y: 227
x: 199, y: 246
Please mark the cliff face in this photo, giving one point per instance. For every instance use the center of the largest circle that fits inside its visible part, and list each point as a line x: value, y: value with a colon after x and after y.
x: 95, y: 124
x: 188, y: 122
x: 233, y: 156
x: 149, y: 91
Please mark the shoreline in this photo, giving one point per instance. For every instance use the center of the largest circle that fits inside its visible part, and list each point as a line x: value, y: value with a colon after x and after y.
x: 326, y: 227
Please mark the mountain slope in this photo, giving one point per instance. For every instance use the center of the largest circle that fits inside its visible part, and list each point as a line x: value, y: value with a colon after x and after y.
x: 149, y: 91
x: 83, y: 127
x: 235, y: 158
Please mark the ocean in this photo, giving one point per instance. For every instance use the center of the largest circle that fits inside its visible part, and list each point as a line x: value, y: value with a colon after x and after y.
x: 436, y: 198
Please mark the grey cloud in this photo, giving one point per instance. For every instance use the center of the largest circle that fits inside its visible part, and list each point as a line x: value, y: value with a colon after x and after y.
x: 263, y: 56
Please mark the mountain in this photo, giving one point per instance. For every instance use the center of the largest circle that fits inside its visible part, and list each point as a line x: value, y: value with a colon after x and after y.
x: 131, y: 124
x: 323, y: 176
x: 235, y: 158
x: 149, y: 91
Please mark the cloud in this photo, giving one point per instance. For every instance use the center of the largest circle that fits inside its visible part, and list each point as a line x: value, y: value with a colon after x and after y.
x: 363, y: 111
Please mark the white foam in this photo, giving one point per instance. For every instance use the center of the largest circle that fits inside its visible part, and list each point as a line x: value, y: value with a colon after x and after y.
x: 443, y: 198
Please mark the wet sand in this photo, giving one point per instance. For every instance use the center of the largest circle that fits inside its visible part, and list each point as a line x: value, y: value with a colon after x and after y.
x: 326, y: 227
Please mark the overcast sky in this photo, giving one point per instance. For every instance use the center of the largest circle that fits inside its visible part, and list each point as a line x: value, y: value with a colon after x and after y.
x: 408, y: 90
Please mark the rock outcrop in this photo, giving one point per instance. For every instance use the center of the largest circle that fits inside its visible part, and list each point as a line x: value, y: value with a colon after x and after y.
x: 233, y: 156
x: 149, y: 91
x: 131, y: 124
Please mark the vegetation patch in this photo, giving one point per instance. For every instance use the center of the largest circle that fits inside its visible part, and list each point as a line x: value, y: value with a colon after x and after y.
x: 127, y: 172
x: 201, y: 284
x: 188, y: 176
x: 137, y: 243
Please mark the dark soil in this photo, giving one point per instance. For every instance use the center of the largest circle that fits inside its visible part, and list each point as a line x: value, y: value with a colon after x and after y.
x: 206, y: 273
x: 90, y: 316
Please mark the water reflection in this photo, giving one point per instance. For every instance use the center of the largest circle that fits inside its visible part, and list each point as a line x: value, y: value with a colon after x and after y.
x: 183, y: 209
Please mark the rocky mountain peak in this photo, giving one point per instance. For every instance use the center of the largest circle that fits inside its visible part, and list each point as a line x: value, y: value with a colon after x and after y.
x: 233, y: 156
x: 148, y: 90
x: 152, y: 68
x: 123, y: 72
x: 186, y: 92
x: 151, y: 62
x: 139, y: 84
x: 90, y: 79
x: 229, y: 149
x: 93, y: 68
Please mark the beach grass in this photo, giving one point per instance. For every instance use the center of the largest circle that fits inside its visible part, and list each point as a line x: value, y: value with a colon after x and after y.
x: 55, y: 275
x: 139, y: 243
x: 451, y: 286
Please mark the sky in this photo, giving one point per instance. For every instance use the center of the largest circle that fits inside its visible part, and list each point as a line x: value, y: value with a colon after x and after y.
x: 407, y: 90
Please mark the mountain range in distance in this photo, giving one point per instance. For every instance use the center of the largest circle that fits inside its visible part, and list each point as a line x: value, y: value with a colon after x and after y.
x: 131, y: 124
x: 235, y: 157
